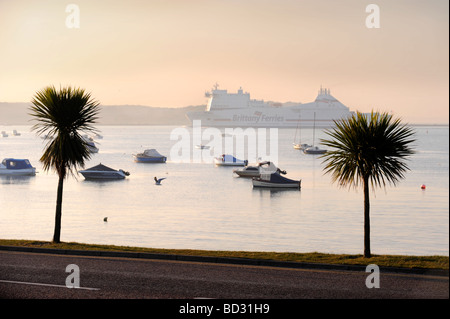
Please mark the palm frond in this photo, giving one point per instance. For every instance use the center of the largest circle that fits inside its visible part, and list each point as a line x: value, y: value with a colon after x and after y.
x: 63, y: 115
x: 375, y: 147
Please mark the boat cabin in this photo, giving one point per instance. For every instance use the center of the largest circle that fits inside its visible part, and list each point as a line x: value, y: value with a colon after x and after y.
x: 12, y: 163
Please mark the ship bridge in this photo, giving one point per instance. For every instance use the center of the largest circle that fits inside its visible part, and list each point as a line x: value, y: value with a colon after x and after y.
x: 222, y: 100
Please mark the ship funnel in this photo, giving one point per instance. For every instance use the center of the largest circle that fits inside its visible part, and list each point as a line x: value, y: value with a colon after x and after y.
x: 324, y: 91
x: 325, y: 96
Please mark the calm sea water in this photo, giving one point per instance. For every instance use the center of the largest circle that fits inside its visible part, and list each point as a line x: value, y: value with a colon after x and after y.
x: 201, y: 206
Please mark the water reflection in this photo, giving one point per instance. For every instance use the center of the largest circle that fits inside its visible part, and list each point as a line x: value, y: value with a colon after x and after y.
x: 8, y: 179
x: 275, y: 191
x: 102, y: 182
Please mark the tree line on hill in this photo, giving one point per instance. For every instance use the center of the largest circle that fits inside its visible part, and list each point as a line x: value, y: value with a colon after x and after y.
x: 18, y: 114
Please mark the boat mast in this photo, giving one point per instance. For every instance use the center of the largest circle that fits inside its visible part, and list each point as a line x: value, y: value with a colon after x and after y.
x: 314, y: 129
x: 300, y: 132
x: 296, y: 130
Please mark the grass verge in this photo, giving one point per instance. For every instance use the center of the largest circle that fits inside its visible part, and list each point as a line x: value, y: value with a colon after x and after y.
x: 425, y: 262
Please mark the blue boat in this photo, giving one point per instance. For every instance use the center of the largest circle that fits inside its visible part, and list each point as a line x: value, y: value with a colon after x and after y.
x: 270, y: 177
x: 16, y: 167
x: 149, y: 156
x: 275, y: 180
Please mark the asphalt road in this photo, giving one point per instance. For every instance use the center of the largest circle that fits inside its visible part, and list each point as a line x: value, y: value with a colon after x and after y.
x: 39, y: 275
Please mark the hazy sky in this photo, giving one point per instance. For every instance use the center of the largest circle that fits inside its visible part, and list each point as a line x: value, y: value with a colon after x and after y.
x: 169, y: 52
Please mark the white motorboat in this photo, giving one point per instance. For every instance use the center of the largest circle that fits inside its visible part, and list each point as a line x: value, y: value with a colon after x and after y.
x: 90, y: 144
x: 102, y: 172
x: 202, y: 147
x: 247, y: 171
x: 16, y: 167
x: 92, y: 147
x: 4, y: 134
x: 229, y: 160
x: 149, y: 156
x: 265, y: 167
x: 301, y: 146
x: 15, y: 133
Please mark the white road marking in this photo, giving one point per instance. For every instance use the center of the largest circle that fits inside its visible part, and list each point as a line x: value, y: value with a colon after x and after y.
x: 47, y: 285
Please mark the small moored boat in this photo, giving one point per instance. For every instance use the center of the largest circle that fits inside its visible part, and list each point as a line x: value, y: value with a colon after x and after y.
x: 247, y: 171
x: 92, y: 148
x: 16, y: 167
x: 275, y: 180
x: 202, y: 147
x: 314, y: 150
x: 149, y: 156
x: 97, y: 136
x: 90, y: 144
x: 270, y: 177
x: 103, y: 172
x: 301, y: 146
x: 255, y: 171
x: 229, y: 160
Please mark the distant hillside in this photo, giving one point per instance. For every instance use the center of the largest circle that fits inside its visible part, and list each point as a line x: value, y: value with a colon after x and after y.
x: 14, y: 113
x: 18, y: 114
x: 145, y: 115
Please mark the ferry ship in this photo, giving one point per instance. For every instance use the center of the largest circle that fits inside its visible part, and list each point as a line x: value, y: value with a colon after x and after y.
x: 238, y: 110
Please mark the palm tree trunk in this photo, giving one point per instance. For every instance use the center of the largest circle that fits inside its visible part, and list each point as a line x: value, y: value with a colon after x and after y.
x: 367, y: 253
x: 57, y: 232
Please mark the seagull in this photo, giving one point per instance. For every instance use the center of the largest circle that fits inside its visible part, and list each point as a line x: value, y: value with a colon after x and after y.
x: 158, y: 181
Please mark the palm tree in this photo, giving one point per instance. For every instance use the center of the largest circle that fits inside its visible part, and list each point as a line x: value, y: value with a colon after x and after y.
x: 62, y: 115
x: 368, y: 151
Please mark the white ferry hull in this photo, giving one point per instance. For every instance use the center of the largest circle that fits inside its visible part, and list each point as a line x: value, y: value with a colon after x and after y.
x: 267, y: 118
x: 237, y: 110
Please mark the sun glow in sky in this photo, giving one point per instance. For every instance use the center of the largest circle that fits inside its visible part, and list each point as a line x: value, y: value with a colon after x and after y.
x: 167, y: 53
